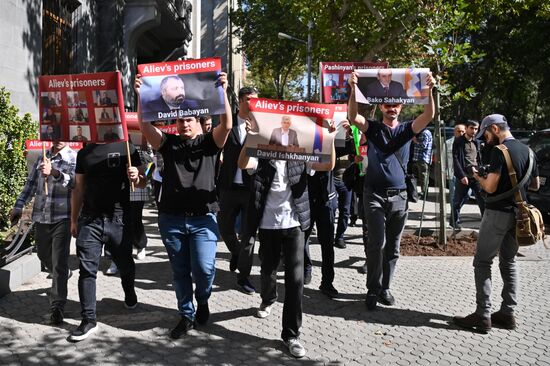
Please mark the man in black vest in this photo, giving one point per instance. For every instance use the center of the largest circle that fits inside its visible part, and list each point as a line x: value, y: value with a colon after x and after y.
x: 279, y: 208
x: 234, y: 190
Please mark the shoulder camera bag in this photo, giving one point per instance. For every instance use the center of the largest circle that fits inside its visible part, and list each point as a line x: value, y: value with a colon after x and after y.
x: 529, y: 223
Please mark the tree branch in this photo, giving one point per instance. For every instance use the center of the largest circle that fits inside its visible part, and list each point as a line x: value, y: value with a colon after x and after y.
x: 379, y: 18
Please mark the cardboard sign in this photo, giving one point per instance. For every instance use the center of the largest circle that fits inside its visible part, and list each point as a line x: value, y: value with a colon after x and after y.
x: 82, y: 108
x: 181, y: 89
x: 285, y: 130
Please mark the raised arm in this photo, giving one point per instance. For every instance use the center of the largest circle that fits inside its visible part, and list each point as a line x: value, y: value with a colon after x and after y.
x: 360, y: 123
x: 152, y: 134
x: 424, y: 119
x: 221, y: 131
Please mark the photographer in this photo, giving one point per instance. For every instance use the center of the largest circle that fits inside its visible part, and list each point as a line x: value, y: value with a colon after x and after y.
x: 466, y: 156
x: 497, y: 231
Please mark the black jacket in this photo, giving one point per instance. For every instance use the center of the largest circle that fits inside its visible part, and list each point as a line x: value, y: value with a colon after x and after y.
x: 261, y: 183
x: 459, y: 156
x: 231, y: 151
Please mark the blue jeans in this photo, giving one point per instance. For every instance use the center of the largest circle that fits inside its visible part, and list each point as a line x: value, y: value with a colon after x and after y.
x: 191, y: 246
x: 461, y: 196
x: 344, y: 204
x: 93, y: 233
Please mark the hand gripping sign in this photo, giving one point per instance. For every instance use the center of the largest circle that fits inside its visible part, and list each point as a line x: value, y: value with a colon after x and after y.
x: 285, y: 130
x: 179, y: 89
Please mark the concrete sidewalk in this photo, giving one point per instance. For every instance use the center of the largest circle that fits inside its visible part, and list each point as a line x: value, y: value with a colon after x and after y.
x: 429, y: 291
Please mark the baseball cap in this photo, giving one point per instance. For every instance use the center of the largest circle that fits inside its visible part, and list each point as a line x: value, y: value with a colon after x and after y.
x: 491, y: 119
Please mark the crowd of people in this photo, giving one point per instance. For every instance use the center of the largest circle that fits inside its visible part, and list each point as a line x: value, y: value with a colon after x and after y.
x: 207, y: 188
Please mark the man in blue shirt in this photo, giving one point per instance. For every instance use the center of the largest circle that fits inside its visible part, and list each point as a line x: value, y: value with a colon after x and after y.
x: 385, y: 194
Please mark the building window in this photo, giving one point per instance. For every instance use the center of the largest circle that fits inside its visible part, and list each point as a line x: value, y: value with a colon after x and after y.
x: 57, y: 39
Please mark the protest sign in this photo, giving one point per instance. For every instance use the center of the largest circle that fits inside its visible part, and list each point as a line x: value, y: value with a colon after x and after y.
x: 82, y: 107
x: 179, y: 89
x: 285, y: 130
x: 392, y: 86
x: 334, y: 78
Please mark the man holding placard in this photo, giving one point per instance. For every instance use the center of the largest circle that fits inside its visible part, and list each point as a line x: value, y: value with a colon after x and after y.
x: 187, y: 206
x: 385, y: 193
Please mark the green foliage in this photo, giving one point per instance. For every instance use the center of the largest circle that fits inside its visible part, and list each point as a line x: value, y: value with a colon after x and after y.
x: 14, y: 130
x: 488, y: 55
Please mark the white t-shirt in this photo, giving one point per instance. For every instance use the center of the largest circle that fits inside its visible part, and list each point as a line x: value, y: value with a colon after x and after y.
x: 238, y: 179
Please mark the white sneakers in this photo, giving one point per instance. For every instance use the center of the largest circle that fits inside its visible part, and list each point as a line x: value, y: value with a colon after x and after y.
x: 112, y: 270
x: 141, y: 254
x: 263, y: 311
x: 295, y: 347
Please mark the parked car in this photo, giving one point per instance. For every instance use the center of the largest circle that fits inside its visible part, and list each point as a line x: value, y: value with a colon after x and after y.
x: 523, y: 135
x: 540, y: 144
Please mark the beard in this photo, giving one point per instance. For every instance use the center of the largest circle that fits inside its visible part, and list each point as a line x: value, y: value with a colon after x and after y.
x: 493, y: 139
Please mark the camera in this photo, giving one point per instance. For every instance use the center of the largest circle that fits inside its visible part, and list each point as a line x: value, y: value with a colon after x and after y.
x: 482, y: 170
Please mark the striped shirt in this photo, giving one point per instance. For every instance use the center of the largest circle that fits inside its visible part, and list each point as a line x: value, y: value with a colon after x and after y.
x: 56, y: 206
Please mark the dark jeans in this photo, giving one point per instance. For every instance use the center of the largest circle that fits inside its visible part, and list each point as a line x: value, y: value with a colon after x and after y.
x: 322, y: 214
x: 139, y: 239
x: 232, y: 203
x: 52, y: 246
x: 421, y: 170
x: 291, y: 242
x: 461, y: 196
x: 344, y: 203
x: 386, y: 218
x: 93, y: 233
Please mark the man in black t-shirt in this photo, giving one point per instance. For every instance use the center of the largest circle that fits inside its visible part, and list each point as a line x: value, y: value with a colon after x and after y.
x: 187, y: 206
x: 497, y: 230
x: 385, y: 194
x: 100, y: 203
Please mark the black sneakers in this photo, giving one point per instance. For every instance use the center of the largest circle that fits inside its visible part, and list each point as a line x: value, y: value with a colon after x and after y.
x: 371, y: 301
x: 83, y: 331
x: 340, y: 244
x: 386, y: 298
x: 56, y: 317
x: 203, y: 313
x: 182, y: 328
x: 246, y: 287
x: 130, y: 300
x: 501, y: 320
x: 474, y: 322
x: 329, y: 291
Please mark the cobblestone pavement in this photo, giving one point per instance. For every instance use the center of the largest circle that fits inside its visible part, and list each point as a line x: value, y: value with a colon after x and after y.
x: 416, y: 331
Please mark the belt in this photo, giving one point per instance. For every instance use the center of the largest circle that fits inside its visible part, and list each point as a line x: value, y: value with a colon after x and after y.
x: 194, y: 214
x: 390, y: 192
x: 240, y: 187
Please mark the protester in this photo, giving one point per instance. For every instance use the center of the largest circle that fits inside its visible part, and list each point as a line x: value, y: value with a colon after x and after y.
x: 459, y: 130
x: 100, y: 202
x: 496, y: 233
x: 187, y: 206
x: 234, y: 192
x: 51, y: 216
x: 422, y: 158
x: 279, y: 208
x: 466, y: 155
x: 385, y: 194
x: 206, y: 123
x: 322, y: 203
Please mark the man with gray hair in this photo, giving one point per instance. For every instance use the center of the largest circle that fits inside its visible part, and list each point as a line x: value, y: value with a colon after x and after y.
x: 496, y: 233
